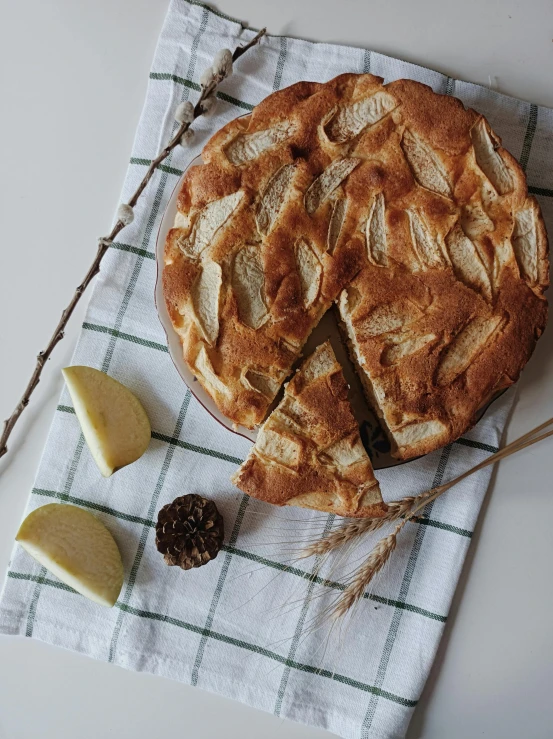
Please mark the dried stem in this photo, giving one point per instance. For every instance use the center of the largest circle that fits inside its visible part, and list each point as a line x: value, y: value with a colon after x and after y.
x: 104, y: 244
x: 385, y: 547
x: 198, y: 111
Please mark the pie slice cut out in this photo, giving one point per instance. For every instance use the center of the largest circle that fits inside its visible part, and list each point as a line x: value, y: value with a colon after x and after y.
x: 309, y: 451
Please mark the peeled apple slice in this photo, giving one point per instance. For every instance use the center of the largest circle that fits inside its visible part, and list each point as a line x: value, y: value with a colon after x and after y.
x: 113, y: 421
x: 77, y: 548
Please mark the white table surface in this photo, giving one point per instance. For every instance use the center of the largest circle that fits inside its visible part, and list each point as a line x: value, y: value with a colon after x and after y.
x: 72, y: 81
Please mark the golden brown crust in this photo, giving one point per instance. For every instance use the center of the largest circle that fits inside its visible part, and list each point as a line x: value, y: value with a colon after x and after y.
x: 309, y: 452
x: 396, y: 202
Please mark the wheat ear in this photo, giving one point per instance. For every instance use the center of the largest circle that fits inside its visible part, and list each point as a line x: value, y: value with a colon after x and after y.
x: 350, y: 531
x: 400, y: 508
x: 384, y: 548
x: 373, y: 564
x: 377, y: 559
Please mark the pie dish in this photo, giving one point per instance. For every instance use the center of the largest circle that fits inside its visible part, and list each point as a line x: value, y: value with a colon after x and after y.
x: 394, y: 202
x: 309, y: 452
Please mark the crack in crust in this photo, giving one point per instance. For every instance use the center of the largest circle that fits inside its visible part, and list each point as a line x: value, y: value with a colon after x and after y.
x: 398, y: 198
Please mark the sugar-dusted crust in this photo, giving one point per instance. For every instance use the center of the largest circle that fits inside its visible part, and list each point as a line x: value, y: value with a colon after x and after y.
x: 309, y: 452
x: 396, y: 202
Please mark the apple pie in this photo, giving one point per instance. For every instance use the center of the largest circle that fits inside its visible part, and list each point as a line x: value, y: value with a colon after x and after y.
x: 395, y: 203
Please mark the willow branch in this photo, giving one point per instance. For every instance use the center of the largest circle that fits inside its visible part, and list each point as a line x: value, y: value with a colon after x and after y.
x: 207, y: 92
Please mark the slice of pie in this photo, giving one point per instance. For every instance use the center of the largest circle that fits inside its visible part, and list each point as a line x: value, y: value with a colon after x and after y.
x: 309, y: 452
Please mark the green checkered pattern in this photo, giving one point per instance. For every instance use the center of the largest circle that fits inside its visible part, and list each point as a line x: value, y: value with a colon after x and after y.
x: 249, y: 624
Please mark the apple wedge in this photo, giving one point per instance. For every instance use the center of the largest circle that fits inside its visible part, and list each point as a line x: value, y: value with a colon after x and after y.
x: 113, y: 421
x: 77, y: 548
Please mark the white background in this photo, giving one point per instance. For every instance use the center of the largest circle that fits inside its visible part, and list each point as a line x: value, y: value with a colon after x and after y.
x: 73, y: 77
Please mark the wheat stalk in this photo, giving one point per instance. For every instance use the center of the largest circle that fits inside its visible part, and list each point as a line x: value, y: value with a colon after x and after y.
x: 377, y: 558
x: 385, y: 547
x: 398, y: 508
x: 222, y: 67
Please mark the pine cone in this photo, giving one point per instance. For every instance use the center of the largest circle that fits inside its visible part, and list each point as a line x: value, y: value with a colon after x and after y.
x: 189, y: 531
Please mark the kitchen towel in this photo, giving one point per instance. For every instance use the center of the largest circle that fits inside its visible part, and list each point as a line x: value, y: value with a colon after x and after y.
x: 247, y: 625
